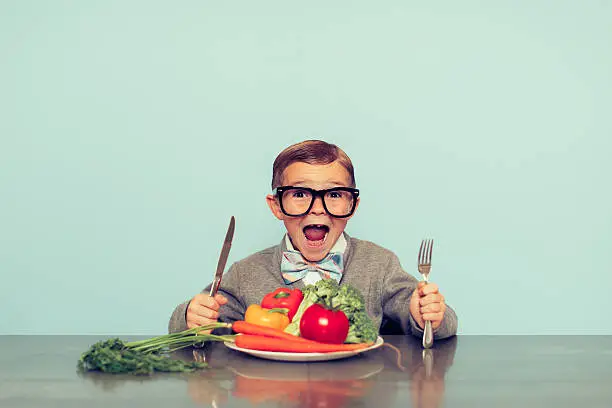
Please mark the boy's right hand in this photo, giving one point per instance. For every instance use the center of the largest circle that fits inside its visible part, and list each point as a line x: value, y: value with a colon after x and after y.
x: 203, y: 309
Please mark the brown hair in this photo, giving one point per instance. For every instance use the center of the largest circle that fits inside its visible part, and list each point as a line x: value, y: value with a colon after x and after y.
x: 311, y: 152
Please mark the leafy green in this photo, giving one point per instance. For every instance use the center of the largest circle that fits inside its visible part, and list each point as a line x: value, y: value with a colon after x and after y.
x: 310, y: 298
x: 338, y: 297
x: 147, y: 356
x: 113, y: 356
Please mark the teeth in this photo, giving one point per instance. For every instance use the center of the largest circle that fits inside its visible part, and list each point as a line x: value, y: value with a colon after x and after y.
x: 317, y: 226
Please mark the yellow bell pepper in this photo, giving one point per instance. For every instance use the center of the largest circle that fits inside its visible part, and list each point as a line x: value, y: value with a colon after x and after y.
x: 275, y: 318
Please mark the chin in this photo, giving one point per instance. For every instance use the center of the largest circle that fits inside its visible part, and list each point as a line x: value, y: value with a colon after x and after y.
x: 314, y: 256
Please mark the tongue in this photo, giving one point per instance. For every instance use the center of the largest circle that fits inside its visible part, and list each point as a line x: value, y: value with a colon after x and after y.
x: 315, y: 233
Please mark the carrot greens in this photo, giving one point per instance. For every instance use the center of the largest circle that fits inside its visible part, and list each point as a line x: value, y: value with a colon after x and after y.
x: 147, y: 356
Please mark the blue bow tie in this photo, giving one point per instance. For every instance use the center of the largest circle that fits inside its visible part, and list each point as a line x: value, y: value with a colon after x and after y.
x: 294, y: 267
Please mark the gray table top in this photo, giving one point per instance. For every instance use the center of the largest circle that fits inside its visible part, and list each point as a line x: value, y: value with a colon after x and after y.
x: 500, y: 371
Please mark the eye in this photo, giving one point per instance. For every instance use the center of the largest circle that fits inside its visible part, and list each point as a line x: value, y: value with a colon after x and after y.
x: 335, y: 194
x: 299, y: 193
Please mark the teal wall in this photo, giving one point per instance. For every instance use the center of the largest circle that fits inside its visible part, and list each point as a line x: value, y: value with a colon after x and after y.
x: 132, y: 130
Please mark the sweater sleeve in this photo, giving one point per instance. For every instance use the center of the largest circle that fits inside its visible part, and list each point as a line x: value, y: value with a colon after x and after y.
x: 233, y: 310
x: 398, y: 286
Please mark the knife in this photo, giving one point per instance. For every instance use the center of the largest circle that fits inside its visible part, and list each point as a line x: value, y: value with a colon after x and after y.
x: 227, y: 244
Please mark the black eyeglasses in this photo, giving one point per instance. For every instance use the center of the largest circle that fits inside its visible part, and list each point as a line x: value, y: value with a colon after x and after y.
x: 338, y: 202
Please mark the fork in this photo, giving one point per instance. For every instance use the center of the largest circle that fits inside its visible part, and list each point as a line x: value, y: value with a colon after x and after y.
x: 424, y: 265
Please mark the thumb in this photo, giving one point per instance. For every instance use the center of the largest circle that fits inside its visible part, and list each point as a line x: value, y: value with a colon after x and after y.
x: 420, y: 286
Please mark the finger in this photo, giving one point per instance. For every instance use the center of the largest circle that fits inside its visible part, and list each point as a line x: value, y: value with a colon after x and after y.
x: 207, y: 301
x: 203, y: 311
x: 431, y: 308
x: 429, y: 289
x: 220, y: 299
x: 421, y: 284
x: 434, y: 317
x: 433, y: 298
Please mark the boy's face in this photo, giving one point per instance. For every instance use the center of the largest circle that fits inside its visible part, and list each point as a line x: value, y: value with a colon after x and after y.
x: 318, y: 177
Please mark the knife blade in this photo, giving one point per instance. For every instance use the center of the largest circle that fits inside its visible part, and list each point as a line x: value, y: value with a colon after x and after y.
x: 227, y: 244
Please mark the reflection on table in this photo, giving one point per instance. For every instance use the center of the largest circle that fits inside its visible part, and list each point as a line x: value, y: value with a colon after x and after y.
x: 371, y: 379
x: 490, y: 371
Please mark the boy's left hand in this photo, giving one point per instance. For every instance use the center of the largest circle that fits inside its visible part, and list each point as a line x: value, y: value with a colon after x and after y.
x: 427, y: 303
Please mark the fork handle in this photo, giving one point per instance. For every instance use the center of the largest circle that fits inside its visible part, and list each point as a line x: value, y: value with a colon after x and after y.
x: 428, y: 332
x: 428, y: 335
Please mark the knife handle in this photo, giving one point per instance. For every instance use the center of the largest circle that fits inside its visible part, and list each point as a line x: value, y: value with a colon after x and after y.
x: 214, y: 287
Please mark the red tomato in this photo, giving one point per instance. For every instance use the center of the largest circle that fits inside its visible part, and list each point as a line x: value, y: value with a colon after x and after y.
x: 321, y: 324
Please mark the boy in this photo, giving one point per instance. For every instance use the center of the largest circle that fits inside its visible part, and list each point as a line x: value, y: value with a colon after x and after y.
x: 315, y: 196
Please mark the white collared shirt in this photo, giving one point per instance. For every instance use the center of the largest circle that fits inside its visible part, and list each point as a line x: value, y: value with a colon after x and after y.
x: 313, y: 276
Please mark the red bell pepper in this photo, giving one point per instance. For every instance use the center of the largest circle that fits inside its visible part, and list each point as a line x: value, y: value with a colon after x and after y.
x: 283, y: 298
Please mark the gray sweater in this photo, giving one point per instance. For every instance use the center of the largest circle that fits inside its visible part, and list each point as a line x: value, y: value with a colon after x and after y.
x: 372, y: 269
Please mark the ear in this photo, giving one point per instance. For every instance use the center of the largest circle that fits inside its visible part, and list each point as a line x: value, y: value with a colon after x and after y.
x: 274, y: 206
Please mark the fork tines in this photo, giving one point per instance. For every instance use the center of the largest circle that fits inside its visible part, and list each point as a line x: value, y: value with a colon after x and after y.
x: 425, y: 251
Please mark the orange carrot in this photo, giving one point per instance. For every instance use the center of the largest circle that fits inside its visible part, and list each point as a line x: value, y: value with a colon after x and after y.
x: 263, y: 343
x: 243, y: 327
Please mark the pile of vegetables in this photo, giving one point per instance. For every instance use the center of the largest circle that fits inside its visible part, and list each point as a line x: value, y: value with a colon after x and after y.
x: 325, y: 311
x: 325, y: 317
x: 326, y: 299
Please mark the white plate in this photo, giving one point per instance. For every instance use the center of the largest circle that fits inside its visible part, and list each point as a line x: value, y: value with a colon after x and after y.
x: 304, y: 357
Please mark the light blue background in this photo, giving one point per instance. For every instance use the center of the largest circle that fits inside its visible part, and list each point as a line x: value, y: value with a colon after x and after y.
x: 132, y: 130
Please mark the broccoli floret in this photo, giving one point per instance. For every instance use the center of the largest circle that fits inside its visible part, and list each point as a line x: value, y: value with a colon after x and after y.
x: 326, y: 290
x: 349, y: 300
x: 361, y: 329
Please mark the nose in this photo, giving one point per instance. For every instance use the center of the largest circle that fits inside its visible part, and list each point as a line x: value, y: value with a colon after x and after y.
x: 317, y: 206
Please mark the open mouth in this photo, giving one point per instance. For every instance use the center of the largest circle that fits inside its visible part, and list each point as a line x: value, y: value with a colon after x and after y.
x: 316, y: 234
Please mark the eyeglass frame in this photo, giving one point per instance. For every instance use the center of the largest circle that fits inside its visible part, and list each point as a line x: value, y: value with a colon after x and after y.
x: 278, y: 192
